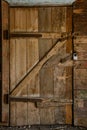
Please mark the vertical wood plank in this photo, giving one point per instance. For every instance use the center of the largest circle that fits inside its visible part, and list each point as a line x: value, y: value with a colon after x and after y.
x: 44, y: 46
x: 12, y: 80
x: 68, y: 113
x: 34, y: 85
x: 12, y: 20
x: 69, y: 28
x: 32, y: 19
x: 44, y: 19
x: 20, y: 59
x: 59, y: 82
x: 47, y: 115
x: 60, y: 114
x: 69, y: 83
x: 47, y: 83
x: 12, y: 64
x: 21, y: 107
x: 21, y: 113
x: 33, y: 114
x: 5, y: 63
x: 32, y: 53
x: 13, y: 113
x: 20, y: 19
x: 59, y: 19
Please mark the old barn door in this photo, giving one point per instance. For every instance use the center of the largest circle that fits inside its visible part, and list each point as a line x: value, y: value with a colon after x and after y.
x: 40, y: 73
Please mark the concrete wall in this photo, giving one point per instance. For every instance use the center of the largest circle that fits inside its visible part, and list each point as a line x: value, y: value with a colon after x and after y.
x: 34, y: 2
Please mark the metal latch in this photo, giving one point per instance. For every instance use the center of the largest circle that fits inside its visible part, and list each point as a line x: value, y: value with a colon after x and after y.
x: 5, y: 34
x: 75, y: 56
x: 6, y: 98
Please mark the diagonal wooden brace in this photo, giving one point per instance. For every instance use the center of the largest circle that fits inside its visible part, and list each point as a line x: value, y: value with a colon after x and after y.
x: 53, y: 51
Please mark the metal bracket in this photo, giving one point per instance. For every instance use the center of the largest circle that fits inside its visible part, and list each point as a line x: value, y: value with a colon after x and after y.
x: 6, y: 98
x: 5, y: 34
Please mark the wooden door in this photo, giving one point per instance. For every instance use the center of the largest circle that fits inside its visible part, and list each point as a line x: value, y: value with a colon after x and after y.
x: 40, y: 90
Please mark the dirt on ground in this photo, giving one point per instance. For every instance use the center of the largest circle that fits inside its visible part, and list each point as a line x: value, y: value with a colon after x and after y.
x: 43, y: 128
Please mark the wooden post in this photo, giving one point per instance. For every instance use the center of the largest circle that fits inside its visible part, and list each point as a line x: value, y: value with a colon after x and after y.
x: 5, y: 63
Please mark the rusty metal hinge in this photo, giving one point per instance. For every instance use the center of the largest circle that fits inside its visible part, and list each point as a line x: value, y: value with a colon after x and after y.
x: 6, y: 98
x: 6, y: 34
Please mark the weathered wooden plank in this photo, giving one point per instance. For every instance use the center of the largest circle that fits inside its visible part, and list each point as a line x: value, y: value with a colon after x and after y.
x: 20, y: 72
x: 33, y: 114
x: 82, y: 55
x: 20, y: 19
x: 53, y: 103
x: 80, y: 112
x: 69, y: 19
x: 47, y: 83
x: 80, y: 84
x: 60, y: 115
x: 80, y: 39
x: 20, y: 59
x: 44, y: 46
x: 34, y: 86
x: 32, y: 19
x: 81, y: 121
x: 69, y: 82
x: 80, y: 28
x: 35, y: 70
x: 12, y: 64
x: 69, y: 87
x: 79, y: 47
x: 69, y: 114
x: 59, y: 19
x: 44, y: 18
x: 13, y: 113
x: 47, y: 116
x: 5, y: 63
x: 32, y: 53
x: 80, y: 74
x: 12, y: 20
x: 80, y: 64
x: 59, y: 80
x: 21, y: 114
x: 80, y: 94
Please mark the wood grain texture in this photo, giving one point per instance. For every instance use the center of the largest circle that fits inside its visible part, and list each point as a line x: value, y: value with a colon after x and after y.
x: 33, y: 114
x: 32, y: 19
x: 44, y: 19
x: 36, y: 68
x: 59, y: 19
x: 80, y: 39
x: 68, y: 113
x: 47, y: 83
x: 44, y: 46
x: 21, y: 113
x: 13, y: 113
x: 20, y: 19
x: 32, y: 53
x: 5, y: 63
x: 12, y: 64
x: 80, y: 74
x: 60, y: 115
x: 80, y: 84
x: 47, y: 116
x: 52, y: 52
x: 12, y: 20
x: 20, y: 59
